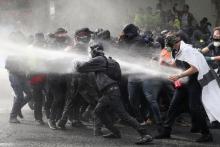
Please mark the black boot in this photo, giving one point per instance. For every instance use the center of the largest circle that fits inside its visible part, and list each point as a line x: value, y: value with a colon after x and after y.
x: 205, y: 138
x: 163, y: 134
x: 115, y: 133
x: 61, y: 124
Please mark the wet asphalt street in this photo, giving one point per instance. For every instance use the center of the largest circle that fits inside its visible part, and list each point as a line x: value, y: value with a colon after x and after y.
x: 29, y: 134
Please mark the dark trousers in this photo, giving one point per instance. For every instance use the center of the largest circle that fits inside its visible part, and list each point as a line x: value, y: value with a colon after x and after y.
x: 80, y: 94
x: 37, y: 92
x: 72, y: 109
x: 110, y: 100
x: 192, y: 92
x: 151, y: 89
x: 58, y: 93
x: 48, y: 100
x: 134, y: 92
x: 21, y: 88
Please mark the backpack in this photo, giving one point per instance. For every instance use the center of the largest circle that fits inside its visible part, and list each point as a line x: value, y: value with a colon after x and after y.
x: 113, y: 69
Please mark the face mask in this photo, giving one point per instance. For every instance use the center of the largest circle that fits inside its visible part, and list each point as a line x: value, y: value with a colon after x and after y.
x: 216, y: 44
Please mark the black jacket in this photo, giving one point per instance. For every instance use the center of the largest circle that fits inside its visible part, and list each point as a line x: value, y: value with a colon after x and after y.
x: 97, y: 65
x: 16, y: 65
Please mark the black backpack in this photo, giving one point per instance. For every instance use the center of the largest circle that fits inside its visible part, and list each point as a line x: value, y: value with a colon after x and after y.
x: 113, y: 69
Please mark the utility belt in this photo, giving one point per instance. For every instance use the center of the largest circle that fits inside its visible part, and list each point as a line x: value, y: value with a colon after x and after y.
x: 208, y: 77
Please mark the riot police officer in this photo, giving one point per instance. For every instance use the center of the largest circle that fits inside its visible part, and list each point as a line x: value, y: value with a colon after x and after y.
x: 108, y: 87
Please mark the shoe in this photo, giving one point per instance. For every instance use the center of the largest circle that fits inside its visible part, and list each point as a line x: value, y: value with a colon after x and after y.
x: 205, y: 138
x: 61, y: 125
x: 112, y: 136
x: 52, y: 124
x: 14, y: 120
x: 77, y: 124
x: 40, y: 122
x: 98, y: 132
x: 20, y: 114
x: 144, y: 140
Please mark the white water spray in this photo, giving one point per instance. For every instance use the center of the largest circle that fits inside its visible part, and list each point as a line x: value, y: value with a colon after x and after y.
x: 37, y: 60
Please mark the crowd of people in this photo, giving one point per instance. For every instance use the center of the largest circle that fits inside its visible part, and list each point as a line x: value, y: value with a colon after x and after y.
x: 100, y: 93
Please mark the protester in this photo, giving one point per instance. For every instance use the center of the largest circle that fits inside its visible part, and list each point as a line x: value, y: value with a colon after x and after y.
x: 188, y: 58
x: 18, y: 79
x: 212, y: 52
x: 99, y: 92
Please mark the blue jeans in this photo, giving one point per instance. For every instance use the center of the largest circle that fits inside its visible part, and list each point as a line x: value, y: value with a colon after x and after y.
x: 151, y: 88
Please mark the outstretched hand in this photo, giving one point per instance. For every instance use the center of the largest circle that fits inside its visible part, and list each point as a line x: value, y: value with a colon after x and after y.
x: 174, y: 77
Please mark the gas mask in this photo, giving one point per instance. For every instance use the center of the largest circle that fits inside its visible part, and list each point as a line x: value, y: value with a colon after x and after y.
x: 216, y: 43
x: 170, y: 42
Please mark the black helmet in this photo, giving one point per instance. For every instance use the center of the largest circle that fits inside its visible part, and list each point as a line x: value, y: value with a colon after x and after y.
x: 83, y: 34
x: 104, y: 35
x: 130, y: 31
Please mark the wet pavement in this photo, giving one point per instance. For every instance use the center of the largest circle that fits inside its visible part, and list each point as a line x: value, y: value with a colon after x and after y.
x: 29, y: 134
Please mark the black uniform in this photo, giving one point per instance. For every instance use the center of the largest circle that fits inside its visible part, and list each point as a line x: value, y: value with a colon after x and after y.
x: 110, y: 96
